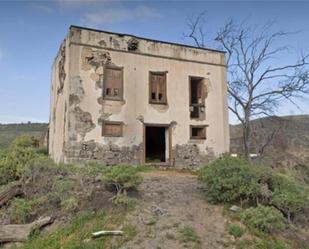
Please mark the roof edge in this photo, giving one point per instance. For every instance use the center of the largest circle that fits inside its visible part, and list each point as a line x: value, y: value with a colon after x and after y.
x: 147, y: 39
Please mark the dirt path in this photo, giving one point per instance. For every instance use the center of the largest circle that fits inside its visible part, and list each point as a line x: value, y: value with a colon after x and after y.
x: 170, y: 201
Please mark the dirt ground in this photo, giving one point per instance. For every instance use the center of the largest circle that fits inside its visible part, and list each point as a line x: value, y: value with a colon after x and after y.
x: 168, y: 202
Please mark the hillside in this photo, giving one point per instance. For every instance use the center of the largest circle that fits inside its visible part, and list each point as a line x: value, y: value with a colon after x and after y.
x: 289, y: 147
x: 8, y: 132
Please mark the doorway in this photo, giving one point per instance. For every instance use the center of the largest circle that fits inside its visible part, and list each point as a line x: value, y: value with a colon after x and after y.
x: 156, y: 144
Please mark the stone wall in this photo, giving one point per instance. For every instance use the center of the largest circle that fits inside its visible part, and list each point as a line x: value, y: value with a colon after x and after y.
x: 108, y: 154
x: 189, y: 156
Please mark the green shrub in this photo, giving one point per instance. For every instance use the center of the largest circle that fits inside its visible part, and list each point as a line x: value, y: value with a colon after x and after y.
x: 14, y: 160
x: 271, y: 244
x: 235, y: 230
x: 288, y: 196
x: 121, y: 178
x: 231, y: 179
x: 263, y: 219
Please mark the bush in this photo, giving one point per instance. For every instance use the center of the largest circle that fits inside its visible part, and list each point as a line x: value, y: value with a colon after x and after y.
x: 271, y: 244
x: 263, y: 219
x: 14, y: 160
x: 288, y: 197
x: 121, y: 178
x: 231, y: 179
x: 235, y: 230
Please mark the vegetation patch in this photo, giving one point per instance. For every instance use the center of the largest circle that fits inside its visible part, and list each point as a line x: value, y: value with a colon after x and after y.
x: 69, y: 205
x: 235, y: 230
x: 21, y: 208
x: 188, y: 234
x: 271, y: 243
x: 122, y: 179
x: 289, y: 197
x: 263, y: 219
x: 230, y: 179
x: 15, y: 159
x: 77, y: 234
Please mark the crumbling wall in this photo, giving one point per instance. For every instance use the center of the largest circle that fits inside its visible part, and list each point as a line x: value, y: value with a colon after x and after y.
x: 90, y: 51
x: 189, y: 156
x: 58, y: 107
x: 109, y: 154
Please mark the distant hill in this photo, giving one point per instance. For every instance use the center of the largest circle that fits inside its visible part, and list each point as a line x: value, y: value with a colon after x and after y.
x: 289, y: 144
x: 289, y: 147
x: 8, y: 132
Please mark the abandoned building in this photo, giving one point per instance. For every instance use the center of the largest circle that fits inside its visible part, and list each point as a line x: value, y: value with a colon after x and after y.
x: 122, y: 99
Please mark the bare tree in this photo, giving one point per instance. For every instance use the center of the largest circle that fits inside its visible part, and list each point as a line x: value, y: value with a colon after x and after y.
x: 257, y: 82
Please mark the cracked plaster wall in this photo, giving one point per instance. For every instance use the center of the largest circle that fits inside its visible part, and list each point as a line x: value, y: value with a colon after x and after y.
x: 86, y: 105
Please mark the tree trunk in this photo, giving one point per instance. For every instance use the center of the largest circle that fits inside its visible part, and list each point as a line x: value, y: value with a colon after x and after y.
x: 20, y: 233
x: 246, y: 136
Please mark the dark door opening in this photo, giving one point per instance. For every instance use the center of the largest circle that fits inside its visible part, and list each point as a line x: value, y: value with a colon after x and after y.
x: 155, y: 144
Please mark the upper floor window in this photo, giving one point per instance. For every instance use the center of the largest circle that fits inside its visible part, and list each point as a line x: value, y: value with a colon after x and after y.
x: 113, y: 83
x: 198, y: 93
x: 157, y: 88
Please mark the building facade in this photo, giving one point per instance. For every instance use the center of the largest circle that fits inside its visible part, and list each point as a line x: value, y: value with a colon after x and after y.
x: 122, y: 99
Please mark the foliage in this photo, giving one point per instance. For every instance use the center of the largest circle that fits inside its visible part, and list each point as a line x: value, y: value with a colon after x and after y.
x: 235, y: 230
x: 271, y: 244
x: 14, y: 160
x: 77, y: 234
x: 130, y: 231
x: 189, y: 234
x: 230, y: 179
x: 263, y: 219
x: 124, y: 200
x: 20, y: 208
x: 122, y: 178
x: 69, y: 205
x: 288, y: 196
x: 152, y: 221
x: 8, y: 132
x: 62, y: 185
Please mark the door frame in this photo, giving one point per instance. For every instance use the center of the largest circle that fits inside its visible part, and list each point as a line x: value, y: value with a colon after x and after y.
x: 168, y: 128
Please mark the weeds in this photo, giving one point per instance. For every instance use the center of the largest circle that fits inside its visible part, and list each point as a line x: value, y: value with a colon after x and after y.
x: 235, y: 230
x: 188, y: 234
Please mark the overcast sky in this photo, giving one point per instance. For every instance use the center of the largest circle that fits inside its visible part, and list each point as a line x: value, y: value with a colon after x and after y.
x: 31, y: 32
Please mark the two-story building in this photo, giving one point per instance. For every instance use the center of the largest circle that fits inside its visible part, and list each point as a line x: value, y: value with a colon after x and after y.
x: 122, y: 99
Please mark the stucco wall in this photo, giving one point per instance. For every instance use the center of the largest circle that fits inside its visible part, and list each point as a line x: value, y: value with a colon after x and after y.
x: 58, y: 103
x: 86, y: 109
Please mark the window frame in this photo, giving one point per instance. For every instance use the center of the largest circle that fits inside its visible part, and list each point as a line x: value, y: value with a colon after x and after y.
x: 112, y: 123
x: 204, y: 94
x: 121, y: 90
x: 156, y: 102
x: 198, y: 127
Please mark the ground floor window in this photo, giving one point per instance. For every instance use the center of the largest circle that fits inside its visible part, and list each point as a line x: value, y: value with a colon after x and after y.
x: 112, y: 129
x: 198, y: 131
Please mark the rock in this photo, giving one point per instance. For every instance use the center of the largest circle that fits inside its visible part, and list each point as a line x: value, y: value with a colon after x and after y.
x: 235, y: 208
x: 157, y: 210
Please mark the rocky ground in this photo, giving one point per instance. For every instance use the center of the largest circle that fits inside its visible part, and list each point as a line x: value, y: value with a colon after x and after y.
x: 171, y: 213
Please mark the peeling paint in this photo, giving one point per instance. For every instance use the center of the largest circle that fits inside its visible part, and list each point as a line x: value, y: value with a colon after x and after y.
x: 84, y: 122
